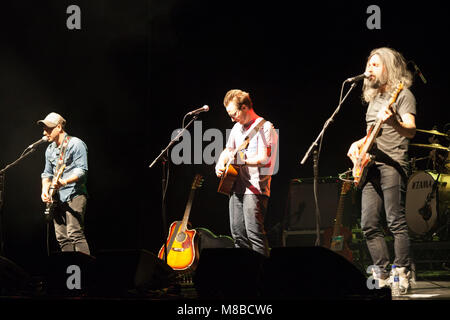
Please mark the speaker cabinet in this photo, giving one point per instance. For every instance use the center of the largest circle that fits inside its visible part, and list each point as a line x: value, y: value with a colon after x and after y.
x: 12, y: 276
x: 300, y: 208
x: 208, y: 240
x: 69, y: 273
x: 314, y: 273
x: 120, y: 272
x: 229, y: 273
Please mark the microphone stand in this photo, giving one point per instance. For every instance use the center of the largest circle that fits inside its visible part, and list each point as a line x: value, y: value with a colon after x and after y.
x: 24, y: 154
x: 164, y: 158
x: 314, y: 146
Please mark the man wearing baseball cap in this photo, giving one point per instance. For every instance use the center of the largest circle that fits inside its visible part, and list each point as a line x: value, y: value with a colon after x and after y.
x: 71, y: 188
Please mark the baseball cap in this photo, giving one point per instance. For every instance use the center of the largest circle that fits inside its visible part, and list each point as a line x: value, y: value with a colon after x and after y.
x: 52, y: 120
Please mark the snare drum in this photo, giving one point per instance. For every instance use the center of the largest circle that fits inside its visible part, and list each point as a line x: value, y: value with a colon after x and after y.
x: 422, y: 218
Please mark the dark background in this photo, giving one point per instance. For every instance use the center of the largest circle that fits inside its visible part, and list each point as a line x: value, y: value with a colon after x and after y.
x: 127, y: 78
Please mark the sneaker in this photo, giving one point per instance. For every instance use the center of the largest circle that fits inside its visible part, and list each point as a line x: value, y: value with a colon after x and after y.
x: 382, y: 282
x: 404, y: 279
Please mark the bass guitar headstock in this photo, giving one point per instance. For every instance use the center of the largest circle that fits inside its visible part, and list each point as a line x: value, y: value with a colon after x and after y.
x: 395, y: 93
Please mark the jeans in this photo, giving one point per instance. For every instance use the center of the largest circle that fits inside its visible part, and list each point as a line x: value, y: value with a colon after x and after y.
x: 247, y: 213
x: 385, y: 186
x: 68, y: 222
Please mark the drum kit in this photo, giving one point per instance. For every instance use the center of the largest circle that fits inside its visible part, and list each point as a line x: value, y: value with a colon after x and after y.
x: 428, y: 190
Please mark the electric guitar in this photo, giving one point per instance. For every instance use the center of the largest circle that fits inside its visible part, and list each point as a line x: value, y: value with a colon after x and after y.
x: 181, y: 245
x: 50, y: 206
x: 337, y: 238
x: 365, y: 159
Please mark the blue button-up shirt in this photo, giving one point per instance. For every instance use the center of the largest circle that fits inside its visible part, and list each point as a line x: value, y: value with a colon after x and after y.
x: 76, y: 161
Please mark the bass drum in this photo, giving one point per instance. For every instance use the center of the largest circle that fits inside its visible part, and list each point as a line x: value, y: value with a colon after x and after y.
x: 423, y: 218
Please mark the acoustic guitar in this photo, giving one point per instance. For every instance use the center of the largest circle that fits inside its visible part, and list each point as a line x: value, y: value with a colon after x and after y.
x: 181, y: 245
x: 365, y: 159
x: 231, y: 172
x: 51, y: 206
x: 337, y: 238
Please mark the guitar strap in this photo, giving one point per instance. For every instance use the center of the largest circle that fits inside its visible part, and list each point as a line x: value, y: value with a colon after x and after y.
x: 59, y: 163
x: 62, y: 153
x: 251, y: 135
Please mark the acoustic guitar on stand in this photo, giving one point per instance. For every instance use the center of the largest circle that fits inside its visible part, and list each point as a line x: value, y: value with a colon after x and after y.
x: 337, y: 238
x: 181, y: 245
x: 365, y: 159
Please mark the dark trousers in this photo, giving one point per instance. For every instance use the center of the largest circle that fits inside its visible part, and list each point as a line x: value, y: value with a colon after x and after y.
x: 69, y: 222
x: 385, y: 187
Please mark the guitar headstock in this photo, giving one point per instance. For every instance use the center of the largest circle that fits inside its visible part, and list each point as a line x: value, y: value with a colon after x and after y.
x: 346, y: 186
x: 198, y: 181
x: 396, y: 92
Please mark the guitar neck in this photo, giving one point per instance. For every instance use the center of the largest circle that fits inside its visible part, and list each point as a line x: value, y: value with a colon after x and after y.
x: 245, y: 142
x: 375, y: 128
x: 340, y: 211
x: 187, y: 211
x: 372, y: 135
x: 338, y: 222
x: 236, y: 151
x: 55, y: 179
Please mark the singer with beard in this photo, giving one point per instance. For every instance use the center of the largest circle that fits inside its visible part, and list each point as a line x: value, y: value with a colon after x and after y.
x: 385, y: 185
x: 71, y: 187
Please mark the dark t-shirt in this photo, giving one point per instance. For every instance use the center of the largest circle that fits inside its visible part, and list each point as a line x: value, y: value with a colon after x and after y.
x: 389, y: 140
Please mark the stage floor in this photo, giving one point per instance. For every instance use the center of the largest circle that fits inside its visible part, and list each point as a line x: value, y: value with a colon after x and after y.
x: 420, y: 290
x: 428, y: 290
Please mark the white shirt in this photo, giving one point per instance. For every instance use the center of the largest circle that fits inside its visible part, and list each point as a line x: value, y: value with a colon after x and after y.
x: 252, y: 179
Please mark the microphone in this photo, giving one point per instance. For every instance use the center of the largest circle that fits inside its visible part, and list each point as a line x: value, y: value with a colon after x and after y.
x: 360, y: 77
x: 42, y: 140
x: 418, y: 72
x: 197, y: 111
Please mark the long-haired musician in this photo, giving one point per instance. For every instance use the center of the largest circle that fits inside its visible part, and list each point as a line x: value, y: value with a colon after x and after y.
x: 385, y: 185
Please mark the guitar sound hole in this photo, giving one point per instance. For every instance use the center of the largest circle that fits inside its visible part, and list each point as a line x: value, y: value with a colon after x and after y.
x: 181, y: 237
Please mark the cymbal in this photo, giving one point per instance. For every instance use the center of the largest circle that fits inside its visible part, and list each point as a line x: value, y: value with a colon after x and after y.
x: 430, y: 146
x: 433, y: 132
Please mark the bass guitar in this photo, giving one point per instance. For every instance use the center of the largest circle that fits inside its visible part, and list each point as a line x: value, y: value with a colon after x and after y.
x: 181, y: 245
x: 53, y: 203
x: 365, y: 159
x: 337, y: 238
